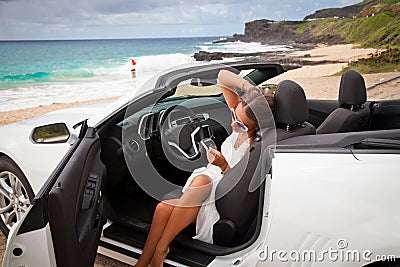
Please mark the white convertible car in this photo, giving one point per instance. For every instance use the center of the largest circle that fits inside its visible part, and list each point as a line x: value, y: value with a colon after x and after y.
x: 320, y: 189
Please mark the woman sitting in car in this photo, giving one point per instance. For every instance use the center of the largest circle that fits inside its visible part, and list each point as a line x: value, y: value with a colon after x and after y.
x: 249, y: 112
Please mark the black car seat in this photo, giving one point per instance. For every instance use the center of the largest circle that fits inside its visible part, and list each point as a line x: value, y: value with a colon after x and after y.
x: 238, y: 195
x: 237, y: 199
x: 291, y: 111
x: 352, y: 114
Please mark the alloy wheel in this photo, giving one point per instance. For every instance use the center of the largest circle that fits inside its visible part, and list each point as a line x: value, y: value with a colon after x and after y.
x: 14, y: 199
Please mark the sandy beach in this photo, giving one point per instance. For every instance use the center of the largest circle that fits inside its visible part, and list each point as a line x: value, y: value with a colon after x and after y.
x: 316, y: 80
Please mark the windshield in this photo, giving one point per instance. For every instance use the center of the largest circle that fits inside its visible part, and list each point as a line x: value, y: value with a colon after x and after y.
x: 200, y: 87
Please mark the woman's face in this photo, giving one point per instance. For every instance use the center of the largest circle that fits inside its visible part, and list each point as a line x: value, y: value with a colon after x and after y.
x: 241, y: 114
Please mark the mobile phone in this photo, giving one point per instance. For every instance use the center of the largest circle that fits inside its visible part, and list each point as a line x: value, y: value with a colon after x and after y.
x: 204, y: 145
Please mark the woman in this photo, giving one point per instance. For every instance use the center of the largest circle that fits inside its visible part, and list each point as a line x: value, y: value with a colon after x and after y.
x: 197, y: 202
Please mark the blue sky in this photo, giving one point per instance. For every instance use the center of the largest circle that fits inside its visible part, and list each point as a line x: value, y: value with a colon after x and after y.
x: 88, y: 19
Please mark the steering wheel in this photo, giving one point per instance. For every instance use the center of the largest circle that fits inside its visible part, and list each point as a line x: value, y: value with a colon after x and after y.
x: 181, y: 135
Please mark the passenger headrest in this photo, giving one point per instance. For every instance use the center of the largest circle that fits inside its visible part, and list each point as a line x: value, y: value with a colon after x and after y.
x: 290, y: 103
x: 352, y: 89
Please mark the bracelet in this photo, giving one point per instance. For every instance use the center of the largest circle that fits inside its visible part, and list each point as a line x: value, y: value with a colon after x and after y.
x: 226, y: 168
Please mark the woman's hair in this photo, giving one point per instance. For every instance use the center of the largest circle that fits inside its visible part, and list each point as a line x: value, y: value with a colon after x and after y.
x: 259, y: 106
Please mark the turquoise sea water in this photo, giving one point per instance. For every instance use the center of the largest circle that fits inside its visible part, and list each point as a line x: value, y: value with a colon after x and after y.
x: 42, y: 72
x: 44, y: 61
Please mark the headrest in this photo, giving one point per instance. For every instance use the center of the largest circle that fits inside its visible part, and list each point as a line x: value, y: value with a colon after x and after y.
x: 352, y: 89
x: 290, y: 103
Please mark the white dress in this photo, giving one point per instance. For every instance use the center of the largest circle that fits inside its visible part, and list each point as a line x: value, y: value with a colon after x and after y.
x: 208, y: 214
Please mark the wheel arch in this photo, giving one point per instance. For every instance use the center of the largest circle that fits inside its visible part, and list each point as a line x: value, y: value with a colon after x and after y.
x: 3, y: 155
x: 19, y: 166
x: 16, y: 193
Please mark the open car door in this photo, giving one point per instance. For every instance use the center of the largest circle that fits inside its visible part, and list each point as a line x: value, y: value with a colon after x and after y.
x: 63, y: 226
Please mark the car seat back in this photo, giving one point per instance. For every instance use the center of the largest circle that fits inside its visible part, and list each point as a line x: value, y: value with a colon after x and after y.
x: 291, y: 111
x: 238, y: 195
x: 352, y: 114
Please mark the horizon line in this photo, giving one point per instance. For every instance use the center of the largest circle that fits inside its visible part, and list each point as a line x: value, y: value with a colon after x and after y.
x: 104, y: 39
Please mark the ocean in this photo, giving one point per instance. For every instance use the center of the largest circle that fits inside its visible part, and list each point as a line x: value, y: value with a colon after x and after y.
x: 34, y: 73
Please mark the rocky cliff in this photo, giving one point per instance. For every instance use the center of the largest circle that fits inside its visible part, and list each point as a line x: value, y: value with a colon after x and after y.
x: 371, y: 23
x: 345, y: 12
x: 282, y: 33
x: 377, y: 19
x: 365, y: 8
x: 268, y: 32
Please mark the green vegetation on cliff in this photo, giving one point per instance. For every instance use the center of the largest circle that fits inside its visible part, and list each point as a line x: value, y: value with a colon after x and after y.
x: 375, y: 31
x: 370, y: 23
x: 386, y: 61
x: 376, y: 25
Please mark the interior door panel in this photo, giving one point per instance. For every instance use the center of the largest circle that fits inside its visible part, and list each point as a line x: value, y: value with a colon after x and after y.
x: 75, y: 205
x: 385, y: 115
x: 318, y: 110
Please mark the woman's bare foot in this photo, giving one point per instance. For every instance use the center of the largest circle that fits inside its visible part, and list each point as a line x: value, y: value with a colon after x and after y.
x: 159, y: 256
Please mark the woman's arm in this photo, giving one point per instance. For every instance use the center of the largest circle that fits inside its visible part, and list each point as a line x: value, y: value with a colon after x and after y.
x: 228, y: 81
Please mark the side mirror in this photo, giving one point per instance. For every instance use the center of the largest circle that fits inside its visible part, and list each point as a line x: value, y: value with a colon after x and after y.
x: 51, y: 134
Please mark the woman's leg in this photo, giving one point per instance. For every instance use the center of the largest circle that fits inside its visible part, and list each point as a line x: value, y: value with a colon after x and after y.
x: 160, y: 219
x: 182, y: 215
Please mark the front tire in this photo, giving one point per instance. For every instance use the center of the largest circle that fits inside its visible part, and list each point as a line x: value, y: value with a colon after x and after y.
x: 15, y: 194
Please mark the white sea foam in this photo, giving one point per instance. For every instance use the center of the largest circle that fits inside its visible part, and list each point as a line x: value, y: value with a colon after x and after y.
x: 111, y: 80
x: 241, y: 47
x: 46, y: 94
x: 107, y: 82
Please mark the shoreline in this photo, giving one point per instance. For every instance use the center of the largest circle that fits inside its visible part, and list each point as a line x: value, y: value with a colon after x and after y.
x: 307, y: 55
x: 315, y: 76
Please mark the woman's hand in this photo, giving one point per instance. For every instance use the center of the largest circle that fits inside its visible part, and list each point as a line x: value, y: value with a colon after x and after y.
x: 216, y: 158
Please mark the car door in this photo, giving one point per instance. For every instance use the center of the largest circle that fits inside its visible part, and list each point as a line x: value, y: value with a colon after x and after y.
x: 385, y: 115
x: 331, y: 198
x: 66, y: 214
